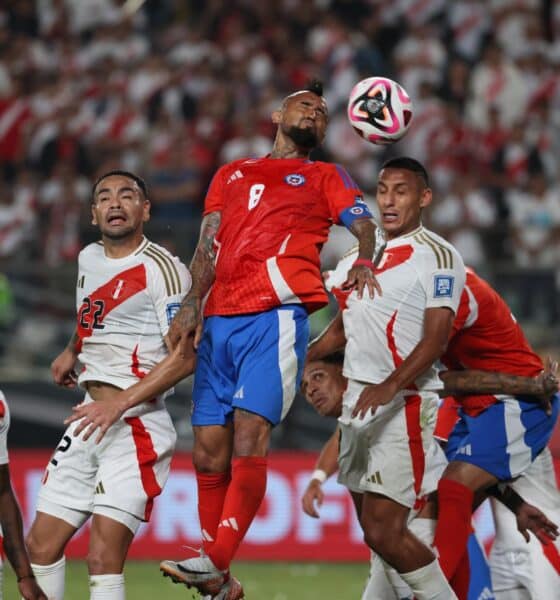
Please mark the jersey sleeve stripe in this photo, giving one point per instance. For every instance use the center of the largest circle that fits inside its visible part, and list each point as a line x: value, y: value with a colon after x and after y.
x: 164, y: 272
x: 175, y: 279
x: 446, y: 251
x: 346, y: 179
x: 143, y: 246
x: 438, y: 255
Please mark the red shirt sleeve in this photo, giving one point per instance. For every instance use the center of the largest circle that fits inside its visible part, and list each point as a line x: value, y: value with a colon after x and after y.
x: 214, y: 200
x: 341, y: 191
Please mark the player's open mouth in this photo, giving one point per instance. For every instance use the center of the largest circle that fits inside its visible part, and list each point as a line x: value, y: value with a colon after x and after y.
x: 390, y: 216
x: 116, y: 219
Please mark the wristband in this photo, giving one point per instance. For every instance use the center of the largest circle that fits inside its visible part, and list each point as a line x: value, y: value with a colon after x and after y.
x: 319, y: 475
x: 364, y: 262
x: 30, y: 576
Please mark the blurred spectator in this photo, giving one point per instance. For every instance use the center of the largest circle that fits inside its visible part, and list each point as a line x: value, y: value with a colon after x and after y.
x: 17, y: 217
x: 175, y: 185
x: 496, y: 82
x: 464, y: 216
x: 535, y: 223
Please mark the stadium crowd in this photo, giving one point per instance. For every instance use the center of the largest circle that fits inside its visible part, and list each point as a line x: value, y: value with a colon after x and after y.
x: 175, y: 89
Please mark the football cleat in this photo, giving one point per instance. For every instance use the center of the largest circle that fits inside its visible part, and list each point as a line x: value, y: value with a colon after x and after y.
x: 198, y: 572
x: 231, y: 590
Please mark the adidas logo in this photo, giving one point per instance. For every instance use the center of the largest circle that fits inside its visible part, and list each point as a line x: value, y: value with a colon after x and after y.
x: 465, y: 450
x: 231, y: 522
x: 486, y: 594
x: 99, y: 489
x: 239, y: 393
x: 206, y: 536
x: 235, y: 175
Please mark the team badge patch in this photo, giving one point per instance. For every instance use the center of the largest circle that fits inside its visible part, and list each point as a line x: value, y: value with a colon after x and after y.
x: 171, y: 310
x: 443, y: 286
x: 357, y: 210
x: 294, y: 179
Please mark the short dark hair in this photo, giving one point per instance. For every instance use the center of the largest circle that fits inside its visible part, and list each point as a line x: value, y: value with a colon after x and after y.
x: 315, y: 86
x: 409, y: 164
x: 139, y: 181
x: 335, y: 358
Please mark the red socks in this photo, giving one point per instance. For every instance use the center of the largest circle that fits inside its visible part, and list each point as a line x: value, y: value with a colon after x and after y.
x: 243, y: 499
x: 462, y: 577
x: 453, y: 524
x: 212, y: 489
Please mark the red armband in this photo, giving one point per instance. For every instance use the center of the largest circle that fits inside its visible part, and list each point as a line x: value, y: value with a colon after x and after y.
x: 364, y: 262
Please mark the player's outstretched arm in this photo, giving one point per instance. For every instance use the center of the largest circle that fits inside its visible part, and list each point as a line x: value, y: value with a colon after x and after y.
x: 327, y: 465
x: 62, y: 367
x: 485, y: 382
x: 14, y: 546
x: 361, y: 274
x: 529, y: 517
x: 101, y: 415
x: 203, y: 272
x: 330, y: 340
x: 437, y: 327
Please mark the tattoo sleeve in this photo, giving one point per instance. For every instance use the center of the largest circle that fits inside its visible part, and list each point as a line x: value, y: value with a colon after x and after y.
x: 486, y: 382
x: 202, y: 266
x: 364, y: 230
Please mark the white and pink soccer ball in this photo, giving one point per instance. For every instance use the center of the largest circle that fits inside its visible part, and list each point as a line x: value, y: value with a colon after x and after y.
x: 379, y: 110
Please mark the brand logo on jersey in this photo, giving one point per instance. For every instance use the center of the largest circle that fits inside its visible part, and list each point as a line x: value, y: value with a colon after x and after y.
x: 443, y: 286
x: 239, y: 393
x: 171, y: 310
x: 118, y: 289
x: 81, y: 282
x: 359, y: 200
x: 235, y: 175
x: 294, y: 179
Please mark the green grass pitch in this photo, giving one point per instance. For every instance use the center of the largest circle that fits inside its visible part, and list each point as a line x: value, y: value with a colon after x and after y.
x: 261, y: 581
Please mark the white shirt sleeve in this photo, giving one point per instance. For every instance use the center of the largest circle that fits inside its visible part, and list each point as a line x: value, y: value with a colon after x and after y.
x: 444, y: 283
x: 167, y: 305
x: 4, y: 426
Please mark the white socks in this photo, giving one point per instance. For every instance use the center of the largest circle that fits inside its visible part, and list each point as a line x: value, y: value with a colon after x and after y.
x: 429, y: 583
x: 107, y: 587
x: 51, y: 578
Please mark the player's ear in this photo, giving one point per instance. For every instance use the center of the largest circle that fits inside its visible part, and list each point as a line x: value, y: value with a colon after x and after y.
x: 93, y: 217
x: 425, y: 197
x: 146, y: 213
x: 276, y: 116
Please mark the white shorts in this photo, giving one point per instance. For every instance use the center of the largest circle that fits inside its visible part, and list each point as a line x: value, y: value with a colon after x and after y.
x: 514, y: 563
x: 127, y: 470
x: 386, y: 453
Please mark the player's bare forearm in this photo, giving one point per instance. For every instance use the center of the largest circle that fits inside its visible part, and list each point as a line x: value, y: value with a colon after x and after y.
x: 12, y: 527
x: 486, y: 382
x: 172, y: 369
x: 437, y: 327
x: 328, y: 458
x: 364, y: 230
x: 330, y: 340
x: 72, y: 345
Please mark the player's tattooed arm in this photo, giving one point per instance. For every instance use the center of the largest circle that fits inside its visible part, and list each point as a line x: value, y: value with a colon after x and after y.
x: 486, y: 382
x: 203, y: 272
x: 62, y: 367
x: 361, y: 275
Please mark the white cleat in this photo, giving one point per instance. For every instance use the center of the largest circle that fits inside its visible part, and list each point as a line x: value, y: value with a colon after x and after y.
x: 198, y: 572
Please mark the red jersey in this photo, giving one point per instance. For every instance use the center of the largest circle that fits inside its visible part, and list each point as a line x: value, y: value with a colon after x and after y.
x: 486, y: 336
x: 275, y: 217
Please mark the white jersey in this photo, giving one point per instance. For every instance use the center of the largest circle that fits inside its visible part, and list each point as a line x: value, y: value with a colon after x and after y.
x: 124, y: 308
x: 417, y: 271
x: 4, y: 426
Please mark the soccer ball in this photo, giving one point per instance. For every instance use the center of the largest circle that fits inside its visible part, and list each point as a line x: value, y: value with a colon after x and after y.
x: 379, y: 110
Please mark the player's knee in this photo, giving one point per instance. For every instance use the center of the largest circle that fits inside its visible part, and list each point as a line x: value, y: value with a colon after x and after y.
x: 41, y: 551
x: 101, y: 561
x: 206, y: 461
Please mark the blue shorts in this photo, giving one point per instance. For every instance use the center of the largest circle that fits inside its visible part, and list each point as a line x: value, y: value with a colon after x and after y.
x: 253, y: 362
x: 504, y: 439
